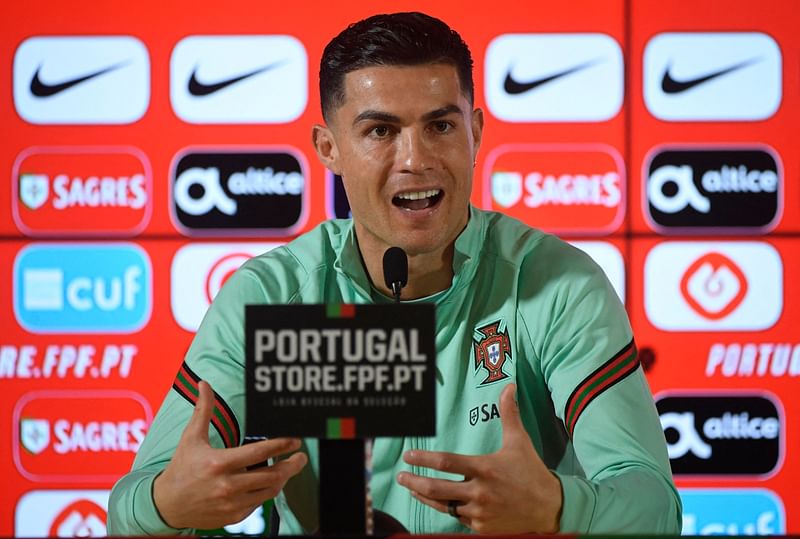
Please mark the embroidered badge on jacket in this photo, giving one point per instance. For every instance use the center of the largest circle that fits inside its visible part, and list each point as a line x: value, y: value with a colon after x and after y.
x: 492, y: 349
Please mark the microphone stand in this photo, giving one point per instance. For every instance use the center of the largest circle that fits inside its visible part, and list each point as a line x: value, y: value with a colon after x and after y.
x: 343, y: 477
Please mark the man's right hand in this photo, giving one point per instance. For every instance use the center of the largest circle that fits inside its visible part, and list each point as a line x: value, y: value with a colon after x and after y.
x: 206, y: 488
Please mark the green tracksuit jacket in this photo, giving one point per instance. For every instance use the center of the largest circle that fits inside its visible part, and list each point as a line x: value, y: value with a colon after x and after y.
x: 583, y: 397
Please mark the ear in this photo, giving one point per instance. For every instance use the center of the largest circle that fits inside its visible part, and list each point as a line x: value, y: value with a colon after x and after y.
x: 477, y: 132
x: 325, y: 146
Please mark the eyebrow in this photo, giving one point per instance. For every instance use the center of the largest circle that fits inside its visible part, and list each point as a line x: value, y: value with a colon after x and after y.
x: 444, y: 111
x: 376, y: 115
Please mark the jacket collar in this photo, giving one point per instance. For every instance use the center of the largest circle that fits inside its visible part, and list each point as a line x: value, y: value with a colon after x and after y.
x: 468, y: 247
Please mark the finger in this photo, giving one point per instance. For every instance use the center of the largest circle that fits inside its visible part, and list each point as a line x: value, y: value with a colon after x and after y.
x: 509, y: 416
x: 257, y: 497
x: 444, y: 462
x: 435, y: 489
x: 246, y: 455
x: 272, y: 476
x: 463, y: 510
x: 197, y: 427
x: 439, y: 505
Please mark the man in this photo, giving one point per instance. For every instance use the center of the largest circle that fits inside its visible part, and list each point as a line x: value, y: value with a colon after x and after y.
x: 558, y: 434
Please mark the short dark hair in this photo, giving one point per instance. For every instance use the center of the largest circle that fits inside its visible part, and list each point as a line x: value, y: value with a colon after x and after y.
x: 396, y: 39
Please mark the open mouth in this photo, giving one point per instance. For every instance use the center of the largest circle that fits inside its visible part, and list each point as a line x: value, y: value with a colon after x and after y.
x: 418, y: 200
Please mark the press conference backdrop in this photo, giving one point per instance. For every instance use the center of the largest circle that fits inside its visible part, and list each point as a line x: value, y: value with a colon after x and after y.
x: 150, y: 148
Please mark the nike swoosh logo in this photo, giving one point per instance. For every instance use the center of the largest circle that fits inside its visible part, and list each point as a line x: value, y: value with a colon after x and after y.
x: 513, y: 87
x: 43, y: 89
x: 200, y: 89
x: 672, y: 86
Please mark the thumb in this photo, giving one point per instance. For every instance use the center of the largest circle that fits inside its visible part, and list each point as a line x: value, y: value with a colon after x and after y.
x: 509, y: 416
x: 197, y: 428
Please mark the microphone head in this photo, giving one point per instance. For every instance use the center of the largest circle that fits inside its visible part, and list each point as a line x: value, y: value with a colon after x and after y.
x: 395, y: 267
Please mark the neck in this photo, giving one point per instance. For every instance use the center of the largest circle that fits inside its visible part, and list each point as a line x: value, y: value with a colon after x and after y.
x: 428, y: 273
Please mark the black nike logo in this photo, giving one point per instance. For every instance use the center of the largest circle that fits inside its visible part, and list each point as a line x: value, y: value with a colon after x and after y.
x: 672, y: 86
x: 43, y: 89
x: 514, y: 87
x: 200, y: 89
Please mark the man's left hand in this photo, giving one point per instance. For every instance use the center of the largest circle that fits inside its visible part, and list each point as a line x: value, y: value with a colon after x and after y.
x: 510, y: 491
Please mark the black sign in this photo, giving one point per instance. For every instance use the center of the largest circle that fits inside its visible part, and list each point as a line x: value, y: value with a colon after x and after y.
x: 338, y: 205
x: 731, y: 190
x: 223, y: 192
x: 340, y: 371
x: 721, y: 434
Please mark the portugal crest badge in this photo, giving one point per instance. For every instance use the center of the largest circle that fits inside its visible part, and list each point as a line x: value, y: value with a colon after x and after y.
x: 492, y: 349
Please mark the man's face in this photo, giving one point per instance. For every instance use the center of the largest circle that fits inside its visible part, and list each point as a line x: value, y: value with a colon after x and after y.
x: 405, y: 142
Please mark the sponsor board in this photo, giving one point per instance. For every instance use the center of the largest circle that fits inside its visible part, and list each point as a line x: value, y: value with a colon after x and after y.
x: 78, y: 435
x: 740, y: 511
x: 244, y: 191
x: 723, y: 434
x: 239, y: 79
x: 61, y: 513
x: 566, y: 189
x: 71, y: 361
x: 554, y: 77
x: 610, y: 260
x: 712, y: 76
x: 81, y: 79
x: 713, y: 286
x: 336, y: 204
x: 713, y: 189
x: 82, y: 191
x: 198, y: 273
x: 342, y: 371
x: 82, y: 288
x: 749, y: 359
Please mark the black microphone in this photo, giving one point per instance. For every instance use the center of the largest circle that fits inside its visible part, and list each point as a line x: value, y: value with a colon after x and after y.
x: 395, y: 270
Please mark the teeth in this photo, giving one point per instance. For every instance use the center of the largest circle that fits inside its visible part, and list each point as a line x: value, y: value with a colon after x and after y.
x: 416, y: 195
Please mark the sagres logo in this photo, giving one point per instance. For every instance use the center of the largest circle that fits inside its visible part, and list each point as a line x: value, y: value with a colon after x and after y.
x: 723, y: 76
x: 713, y: 286
x: 554, y: 77
x: 61, y: 513
x: 78, y: 435
x: 82, y: 288
x: 263, y: 191
x: 483, y: 413
x: 198, y: 273
x: 568, y: 188
x: 81, y: 191
x: 491, y: 349
x: 707, y: 189
x: 739, y: 511
x: 34, y: 434
x: 722, y: 434
x: 81, y: 79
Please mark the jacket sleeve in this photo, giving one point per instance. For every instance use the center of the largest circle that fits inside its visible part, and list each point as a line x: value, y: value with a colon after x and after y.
x: 620, y: 480
x: 217, y: 356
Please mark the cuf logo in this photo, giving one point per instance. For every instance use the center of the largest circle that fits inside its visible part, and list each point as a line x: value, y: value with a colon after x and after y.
x: 491, y: 348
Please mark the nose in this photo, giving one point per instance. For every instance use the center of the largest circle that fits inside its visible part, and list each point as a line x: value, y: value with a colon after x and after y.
x: 414, y: 153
